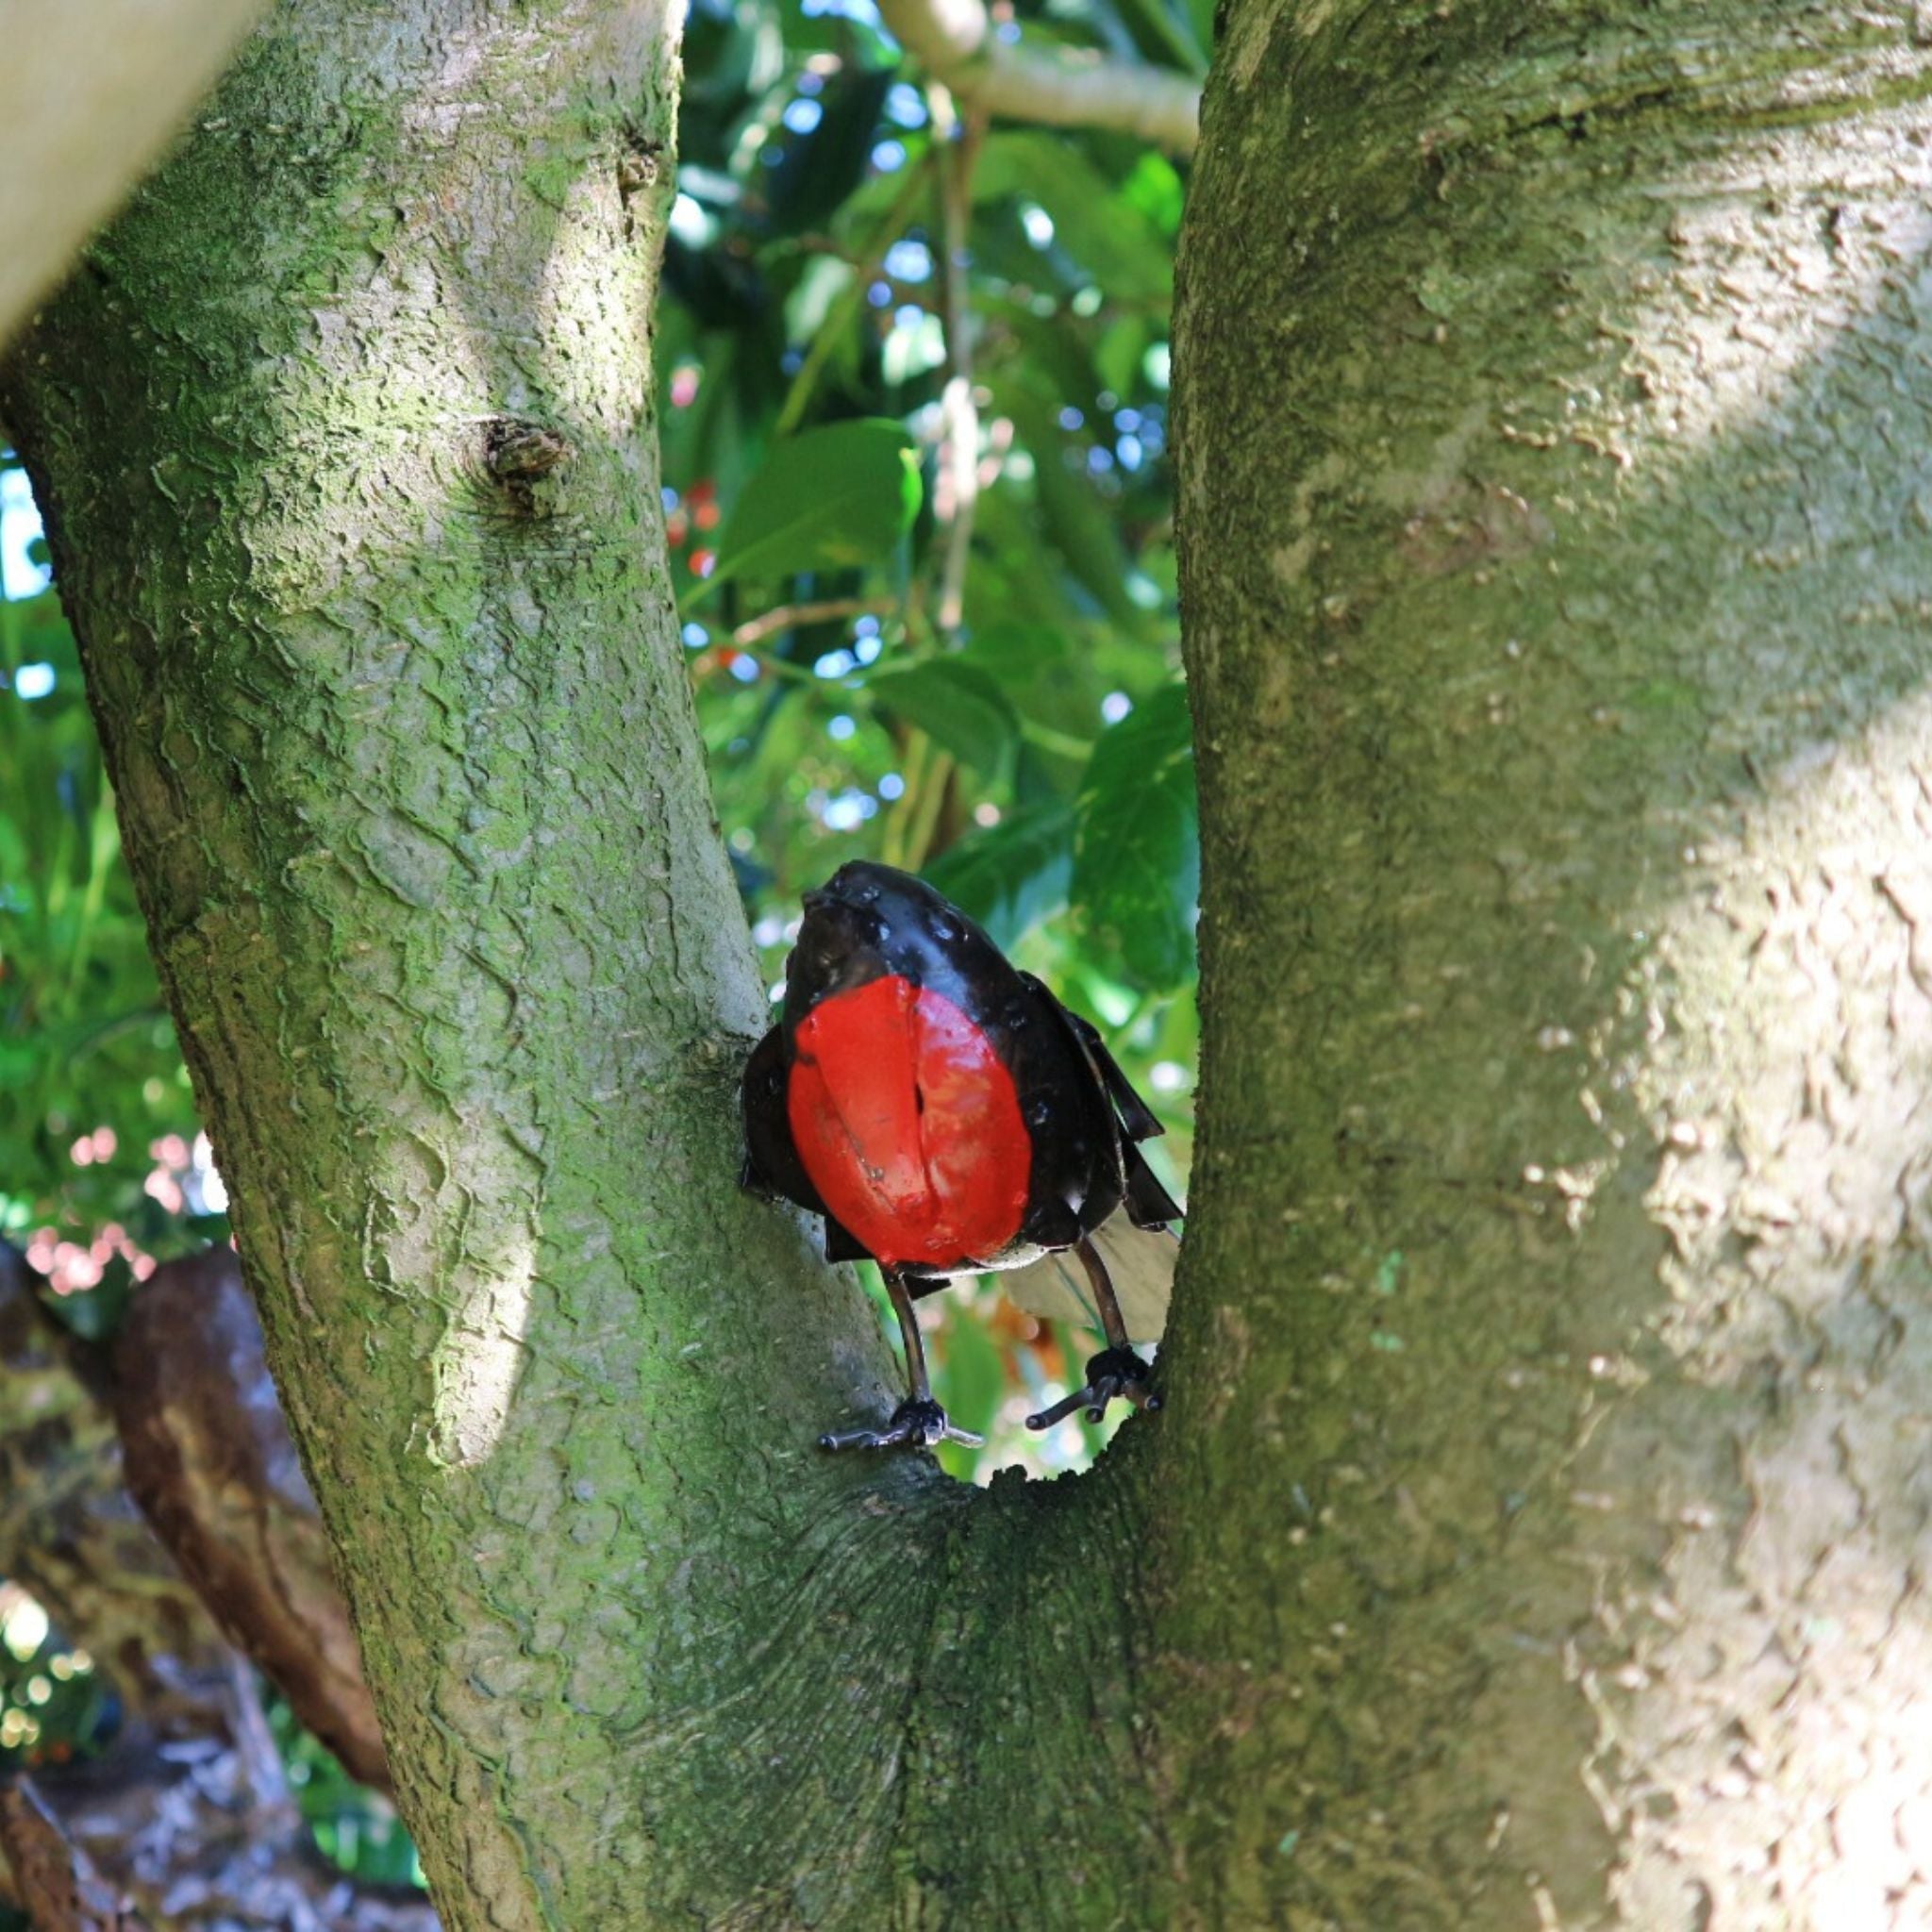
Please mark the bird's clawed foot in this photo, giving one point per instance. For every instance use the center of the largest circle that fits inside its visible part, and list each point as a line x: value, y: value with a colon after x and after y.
x: 1114, y: 1372
x: 916, y: 1424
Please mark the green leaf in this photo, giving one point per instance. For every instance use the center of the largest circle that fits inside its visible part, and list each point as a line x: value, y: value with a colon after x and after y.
x: 1118, y: 355
x: 95, y: 1313
x: 957, y: 706
x: 1072, y: 517
x: 1055, y: 677
x: 1162, y: 33
x: 1100, y: 227
x: 823, y: 280
x: 1054, y: 350
x: 1155, y: 188
x: 974, y: 1379
x: 1201, y: 15
x: 816, y: 172
x: 826, y: 499
x: 970, y: 1380
x: 1136, y: 843
x: 1013, y: 874
x: 1016, y: 576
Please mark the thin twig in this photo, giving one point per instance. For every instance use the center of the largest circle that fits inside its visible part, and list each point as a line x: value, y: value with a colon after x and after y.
x: 955, y: 42
x: 936, y: 780
x: 756, y: 630
x: 914, y: 751
x: 958, y: 412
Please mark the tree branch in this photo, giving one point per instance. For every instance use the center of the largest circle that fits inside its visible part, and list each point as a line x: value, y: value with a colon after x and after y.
x: 56, y: 1880
x: 754, y: 631
x: 66, y: 1532
x: 960, y: 455
x: 955, y: 40
x: 186, y: 1819
x: 209, y: 1458
x: 643, y: 1656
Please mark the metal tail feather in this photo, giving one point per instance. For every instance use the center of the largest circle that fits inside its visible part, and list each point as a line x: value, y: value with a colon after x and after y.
x: 1140, y: 1262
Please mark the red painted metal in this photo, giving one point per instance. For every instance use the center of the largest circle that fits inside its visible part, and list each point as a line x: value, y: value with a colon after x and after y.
x: 908, y: 1125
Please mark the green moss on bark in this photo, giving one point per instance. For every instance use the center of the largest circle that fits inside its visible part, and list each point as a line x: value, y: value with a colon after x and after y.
x: 1556, y: 593
x: 1531, y: 1530
x: 414, y: 799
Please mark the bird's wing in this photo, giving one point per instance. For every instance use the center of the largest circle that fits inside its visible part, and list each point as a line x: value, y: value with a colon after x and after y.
x: 1137, y: 1119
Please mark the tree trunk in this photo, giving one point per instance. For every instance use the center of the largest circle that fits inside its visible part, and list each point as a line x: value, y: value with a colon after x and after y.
x: 344, y: 436
x: 1550, y: 1396
x: 1529, y: 1537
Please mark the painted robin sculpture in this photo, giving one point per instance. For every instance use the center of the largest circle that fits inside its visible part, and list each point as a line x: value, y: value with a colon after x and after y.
x: 947, y: 1115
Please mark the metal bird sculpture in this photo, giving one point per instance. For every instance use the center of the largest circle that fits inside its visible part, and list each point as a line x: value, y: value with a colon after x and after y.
x: 947, y: 1116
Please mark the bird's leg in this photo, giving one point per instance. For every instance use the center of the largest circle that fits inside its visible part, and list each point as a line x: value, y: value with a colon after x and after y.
x: 919, y: 1420
x: 1116, y: 1371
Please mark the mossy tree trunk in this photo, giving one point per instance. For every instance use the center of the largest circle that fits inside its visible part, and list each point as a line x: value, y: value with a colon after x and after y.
x: 1531, y: 1533
x: 344, y: 435
x: 1555, y: 496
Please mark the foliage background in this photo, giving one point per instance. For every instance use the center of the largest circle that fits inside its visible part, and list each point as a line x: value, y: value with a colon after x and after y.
x: 913, y: 406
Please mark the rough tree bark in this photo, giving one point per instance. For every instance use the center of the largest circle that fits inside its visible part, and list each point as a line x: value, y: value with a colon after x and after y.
x: 1530, y: 1534
x: 1552, y: 432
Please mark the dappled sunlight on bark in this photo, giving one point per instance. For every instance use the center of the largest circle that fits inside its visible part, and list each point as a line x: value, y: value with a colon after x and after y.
x: 1557, y: 1269
x: 478, y: 1360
